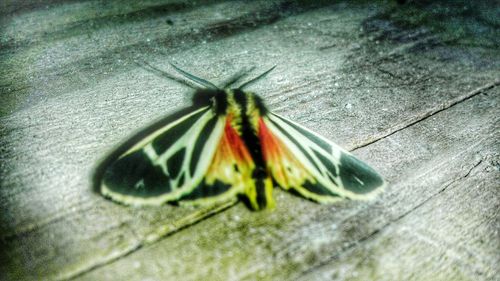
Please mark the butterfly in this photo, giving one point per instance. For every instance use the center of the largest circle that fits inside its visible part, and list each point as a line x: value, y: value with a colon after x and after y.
x: 228, y: 144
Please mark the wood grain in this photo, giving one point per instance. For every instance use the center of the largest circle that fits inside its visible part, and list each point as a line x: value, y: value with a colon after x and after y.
x: 418, y: 106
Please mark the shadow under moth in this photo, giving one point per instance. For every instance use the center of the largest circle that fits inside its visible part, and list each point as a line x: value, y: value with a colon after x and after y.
x: 227, y: 145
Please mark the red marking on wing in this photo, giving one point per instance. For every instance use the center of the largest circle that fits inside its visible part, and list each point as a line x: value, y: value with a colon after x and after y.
x: 281, y: 163
x: 230, y: 152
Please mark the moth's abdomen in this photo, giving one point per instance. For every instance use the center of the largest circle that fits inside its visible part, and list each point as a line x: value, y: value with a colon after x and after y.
x: 232, y: 171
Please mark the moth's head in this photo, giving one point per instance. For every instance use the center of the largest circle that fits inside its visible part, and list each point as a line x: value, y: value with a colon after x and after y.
x: 252, y: 100
x: 205, y: 97
x: 209, y: 93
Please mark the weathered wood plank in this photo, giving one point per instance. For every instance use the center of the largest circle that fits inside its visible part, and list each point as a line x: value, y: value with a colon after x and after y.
x: 452, y: 233
x: 300, y: 235
x: 73, y: 93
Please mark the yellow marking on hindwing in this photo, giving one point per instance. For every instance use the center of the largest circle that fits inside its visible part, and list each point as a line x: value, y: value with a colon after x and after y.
x: 253, y: 112
x: 235, y: 111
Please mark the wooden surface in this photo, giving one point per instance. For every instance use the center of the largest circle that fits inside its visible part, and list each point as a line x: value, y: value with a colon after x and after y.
x: 411, y: 89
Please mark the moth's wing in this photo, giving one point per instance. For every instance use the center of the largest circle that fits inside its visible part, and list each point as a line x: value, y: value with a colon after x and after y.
x: 230, y: 173
x: 311, y: 165
x: 167, y: 163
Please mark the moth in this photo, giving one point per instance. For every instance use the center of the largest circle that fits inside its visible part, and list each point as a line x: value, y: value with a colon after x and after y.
x: 227, y: 145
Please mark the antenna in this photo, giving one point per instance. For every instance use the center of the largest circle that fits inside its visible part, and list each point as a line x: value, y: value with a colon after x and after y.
x: 235, y: 78
x: 193, y: 78
x: 256, y: 78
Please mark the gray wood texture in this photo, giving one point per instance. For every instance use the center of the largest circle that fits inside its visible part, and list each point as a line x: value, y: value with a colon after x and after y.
x: 411, y: 89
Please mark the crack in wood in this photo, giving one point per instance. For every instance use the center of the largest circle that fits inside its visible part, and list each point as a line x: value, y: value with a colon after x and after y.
x: 163, y: 232
x: 421, y: 117
x: 195, y: 218
x: 32, y: 227
x: 374, y: 233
